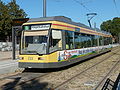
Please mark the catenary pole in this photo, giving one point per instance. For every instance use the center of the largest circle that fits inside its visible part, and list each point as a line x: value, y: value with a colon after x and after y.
x: 13, y: 43
x: 44, y: 8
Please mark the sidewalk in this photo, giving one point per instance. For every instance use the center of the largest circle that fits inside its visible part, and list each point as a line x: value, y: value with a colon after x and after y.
x: 8, y: 66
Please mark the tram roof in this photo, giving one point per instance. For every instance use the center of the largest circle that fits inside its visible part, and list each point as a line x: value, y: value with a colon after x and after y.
x: 59, y: 18
x: 65, y: 20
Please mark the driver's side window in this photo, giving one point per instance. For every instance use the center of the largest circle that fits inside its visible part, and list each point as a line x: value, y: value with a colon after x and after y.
x: 55, y: 41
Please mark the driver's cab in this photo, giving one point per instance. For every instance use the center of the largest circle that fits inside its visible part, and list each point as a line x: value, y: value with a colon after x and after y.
x: 41, y: 41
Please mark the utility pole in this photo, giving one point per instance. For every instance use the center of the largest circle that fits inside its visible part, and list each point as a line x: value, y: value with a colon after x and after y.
x: 13, y: 43
x: 44, y: 8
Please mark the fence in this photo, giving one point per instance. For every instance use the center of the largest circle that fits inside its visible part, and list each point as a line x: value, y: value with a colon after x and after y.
x: 111, y: 85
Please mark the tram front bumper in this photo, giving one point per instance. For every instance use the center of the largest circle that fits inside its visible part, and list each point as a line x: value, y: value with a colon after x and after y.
x: 41, y: 65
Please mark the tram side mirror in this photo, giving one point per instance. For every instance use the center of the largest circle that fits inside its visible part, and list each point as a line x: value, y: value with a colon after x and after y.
x: 56, y: 34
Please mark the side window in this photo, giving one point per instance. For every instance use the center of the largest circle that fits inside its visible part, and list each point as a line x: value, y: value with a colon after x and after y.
x: 69, y: 39
x: 83, y: 42
x: 101, y: 40
x: 89, y: 41
x: 92, y: 40
x: 106, y: 41
x: 55, y: 41
x: 77, y: 40
x: 95, y: 40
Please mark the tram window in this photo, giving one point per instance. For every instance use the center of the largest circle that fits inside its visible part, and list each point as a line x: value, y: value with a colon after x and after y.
x: 101, y: 41
x: 37, y: 37
x: 106, y: 40
x: 87, y: 38
x: 55, y: 41
x: 77, y: 40
x: 89, y: 43
x: 69, y: 39
x: 92, y: 40
x: 84, y: 40
x: 110, y: 40
x: 95, y: 40
x: 56, y: 34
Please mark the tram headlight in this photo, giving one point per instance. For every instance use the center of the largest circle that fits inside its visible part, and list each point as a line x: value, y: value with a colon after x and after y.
x: 40, y: 58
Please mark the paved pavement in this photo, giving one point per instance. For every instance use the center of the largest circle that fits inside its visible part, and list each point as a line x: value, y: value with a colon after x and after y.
x: 8, y: 66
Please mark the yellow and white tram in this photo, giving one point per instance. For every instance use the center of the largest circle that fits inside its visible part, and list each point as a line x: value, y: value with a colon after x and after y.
x: 55, y: 42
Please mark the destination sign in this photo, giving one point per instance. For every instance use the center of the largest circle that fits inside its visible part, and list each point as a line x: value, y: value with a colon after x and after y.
x: 40, y: 27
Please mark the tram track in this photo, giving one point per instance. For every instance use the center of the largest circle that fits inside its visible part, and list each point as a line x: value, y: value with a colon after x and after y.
x: 105, y: 77
x: 65, y: 82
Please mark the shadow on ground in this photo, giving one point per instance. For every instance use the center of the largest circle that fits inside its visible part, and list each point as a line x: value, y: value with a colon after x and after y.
x: 32, y: 85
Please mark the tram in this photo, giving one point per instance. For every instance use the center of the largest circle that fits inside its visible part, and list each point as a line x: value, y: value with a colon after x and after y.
x: 54, y: 42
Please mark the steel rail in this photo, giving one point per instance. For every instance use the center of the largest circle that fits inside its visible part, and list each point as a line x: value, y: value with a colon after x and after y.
x: 114, y: 66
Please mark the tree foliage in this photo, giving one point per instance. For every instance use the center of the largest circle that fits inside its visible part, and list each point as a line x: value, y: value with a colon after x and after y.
x: 8, y: 12
x: 4, y: 18
x: 112, y: 26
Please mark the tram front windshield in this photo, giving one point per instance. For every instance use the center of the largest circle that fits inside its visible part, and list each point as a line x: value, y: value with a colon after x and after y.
x: 34, y: 42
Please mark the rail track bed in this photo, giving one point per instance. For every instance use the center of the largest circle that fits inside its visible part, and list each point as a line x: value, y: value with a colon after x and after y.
x: 88, y: 75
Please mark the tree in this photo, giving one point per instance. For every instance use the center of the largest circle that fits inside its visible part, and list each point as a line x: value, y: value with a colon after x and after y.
x: 7, y: 13
x: 4, y: 20
x: 15, y: 11
x: 112, y: 26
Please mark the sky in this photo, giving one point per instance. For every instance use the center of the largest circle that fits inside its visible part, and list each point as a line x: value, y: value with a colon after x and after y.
x: 74, y: 9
